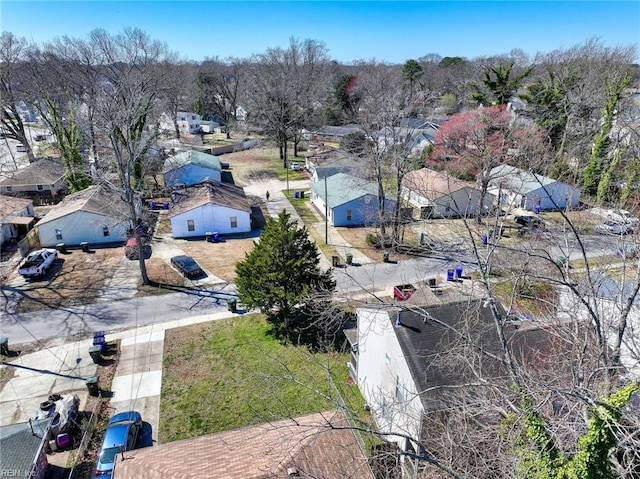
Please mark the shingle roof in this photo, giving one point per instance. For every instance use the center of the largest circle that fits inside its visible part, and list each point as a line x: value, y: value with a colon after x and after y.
x: 9, y: 205
x: 434, y: 184
x: 519, y: 180
x: 41, y: 172
x: 192, y: 157
x: 98, y: 199
x: 19, y: 445
x: 308, y: 443
x: 205, y: 192
x: 343, y: 188
x: 339, y: 130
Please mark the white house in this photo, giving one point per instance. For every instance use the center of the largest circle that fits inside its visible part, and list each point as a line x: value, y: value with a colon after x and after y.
x: 438, y: 195
x: 607, y: 297
x: 16, y: 217
x: 518, y: 188
x: 401, y: 363
x: 191, y: 167
x: 97, y: 215
x: 209, y: 206
x: 188, y: 122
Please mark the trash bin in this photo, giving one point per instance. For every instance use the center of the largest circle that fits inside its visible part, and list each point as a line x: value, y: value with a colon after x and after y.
x: 95, y: 353
x: 385, y: 256
x: 165, y: 206
x: 62, y: 248
x: 536, y: 209
x: 99, y: 340
x: 85, y: 246
x: 335, y: 261
x: 485, y: 239
x: 153, y: 205
x: 216, y: 238
x: 459, y: 270
x: 232, y: 304
x: 92, y: 386
x: 302, y: 194
x: 296, y: 194
x: 4, y: 346
x: 450, y: 274
x: 348, y: 258
x: 208, y: 236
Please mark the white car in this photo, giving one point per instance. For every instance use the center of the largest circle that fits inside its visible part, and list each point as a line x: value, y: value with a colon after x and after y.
x: 621, y: 216
x: 295, y: 166
x: 614, y: 228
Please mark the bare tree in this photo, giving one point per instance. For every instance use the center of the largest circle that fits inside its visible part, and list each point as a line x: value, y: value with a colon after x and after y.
x: 13, y: 85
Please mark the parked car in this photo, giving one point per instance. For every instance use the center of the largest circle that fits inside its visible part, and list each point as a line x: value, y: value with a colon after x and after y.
x: 21, y: 148
x: 121, y: 435
x: 621, y: 216
x: 37, y: 263
x: 295, y: 166
x: 187, y: 266
x: 614, y: 228
x: 529, y: 222
x: 131, y: 249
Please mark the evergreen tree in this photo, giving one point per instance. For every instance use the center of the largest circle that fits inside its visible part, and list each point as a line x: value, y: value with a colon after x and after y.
x: 282, y: 271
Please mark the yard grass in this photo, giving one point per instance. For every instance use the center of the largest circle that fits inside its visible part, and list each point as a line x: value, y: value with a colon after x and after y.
x: 229, y: 374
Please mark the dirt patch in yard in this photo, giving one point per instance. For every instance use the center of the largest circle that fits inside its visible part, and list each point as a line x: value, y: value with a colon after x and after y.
x: 76, y: 278
x: 252, y: 165
x: 219, y: 258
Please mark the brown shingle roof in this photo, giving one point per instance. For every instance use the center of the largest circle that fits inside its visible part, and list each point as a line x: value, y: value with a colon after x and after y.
x: 41, y: 172
x: 433, y: 184
x: 10, y: 205
x: 98, y: 199
x: 207, y: 192
x: 308, y: 443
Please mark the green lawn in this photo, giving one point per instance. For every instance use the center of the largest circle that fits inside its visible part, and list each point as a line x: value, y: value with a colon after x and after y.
x: 229, y: 374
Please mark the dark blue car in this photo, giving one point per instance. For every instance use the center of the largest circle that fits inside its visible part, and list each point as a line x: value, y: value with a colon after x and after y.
x: 121, y: 435
x: 187, y: 266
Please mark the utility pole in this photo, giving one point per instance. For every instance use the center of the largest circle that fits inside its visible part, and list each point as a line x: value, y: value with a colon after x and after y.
x: 326, y: 212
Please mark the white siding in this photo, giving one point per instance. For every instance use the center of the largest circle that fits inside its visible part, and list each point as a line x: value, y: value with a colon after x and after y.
x: 83, y: 226
x: 381, y: 366
x: 210, y: 218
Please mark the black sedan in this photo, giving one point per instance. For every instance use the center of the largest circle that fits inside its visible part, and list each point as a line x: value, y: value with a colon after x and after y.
x: 187, y: 266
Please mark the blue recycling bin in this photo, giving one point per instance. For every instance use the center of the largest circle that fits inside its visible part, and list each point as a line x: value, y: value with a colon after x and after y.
x: 153, y: 205
x: 459, y: 270
x: 165, y: 206
x: 296, y: 194
x: 536, y: 209
x: 485, y: 239
x: 216, y: 238
x: 450, y: 274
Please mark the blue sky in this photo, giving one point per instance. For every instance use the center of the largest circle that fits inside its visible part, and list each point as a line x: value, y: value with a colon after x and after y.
x: 389, y: 31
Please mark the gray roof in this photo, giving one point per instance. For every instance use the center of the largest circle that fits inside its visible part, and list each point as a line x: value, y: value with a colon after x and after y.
x: 41, y: 172
x: 343, y: 188
x: 192, y: 157
x: 10, y: 206
x: 19, y: 444
x: 519, y: 180
x: 347, y: 165
x: 339, y: 130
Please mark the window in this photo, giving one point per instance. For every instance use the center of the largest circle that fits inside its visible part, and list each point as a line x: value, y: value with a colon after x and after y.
x: 105, y: 231
x: 234, y: 221
x: 40, y: 187
x: 401, y: 391
x: 348, y: 215
x: 58, y: 234
x: 9, y: 189
x: 191, y: 226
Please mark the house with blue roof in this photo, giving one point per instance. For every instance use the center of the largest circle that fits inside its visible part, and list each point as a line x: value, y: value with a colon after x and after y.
x: 191, y: 167
x: 349, y: 200
x: 519, y: 188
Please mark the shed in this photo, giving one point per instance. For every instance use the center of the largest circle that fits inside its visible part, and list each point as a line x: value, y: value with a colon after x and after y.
x: 23, y: 449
